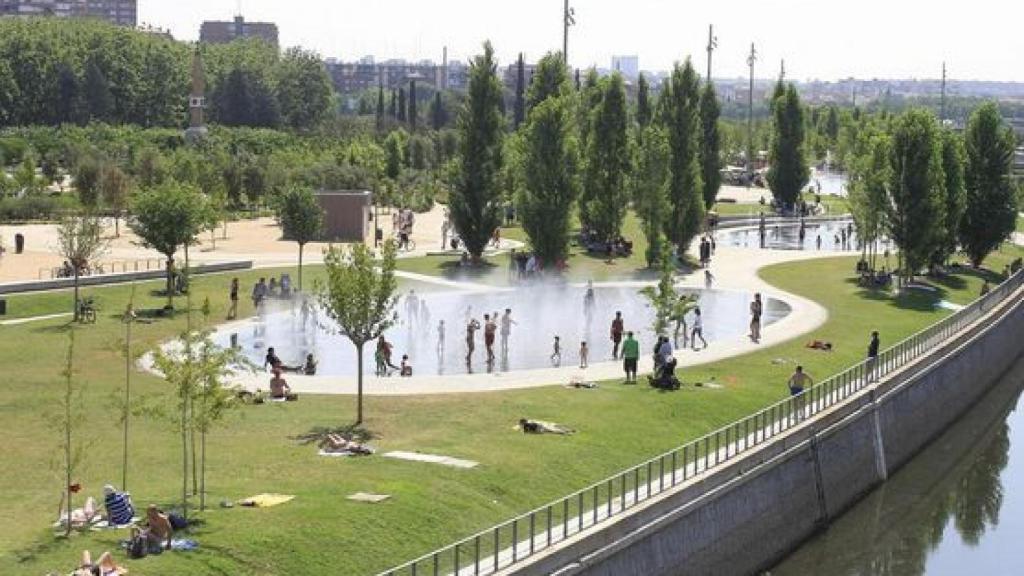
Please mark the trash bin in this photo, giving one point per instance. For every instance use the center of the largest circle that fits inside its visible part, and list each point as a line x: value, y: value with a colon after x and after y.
x: 3, y: 307
x: 19, y: 243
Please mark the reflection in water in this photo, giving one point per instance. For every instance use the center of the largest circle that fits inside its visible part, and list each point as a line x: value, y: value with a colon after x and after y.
x: 940, y: 514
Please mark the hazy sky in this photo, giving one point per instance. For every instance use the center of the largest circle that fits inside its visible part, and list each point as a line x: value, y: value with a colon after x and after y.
x: 979, y: 39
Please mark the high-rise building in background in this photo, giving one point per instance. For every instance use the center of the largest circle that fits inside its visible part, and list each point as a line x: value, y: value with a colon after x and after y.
x: 628, y: 66
x: 120, y: 12
x: 222, y: 32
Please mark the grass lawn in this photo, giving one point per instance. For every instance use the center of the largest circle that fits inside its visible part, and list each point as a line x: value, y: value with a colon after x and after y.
x: 834, y: 206
x: 321, y: 532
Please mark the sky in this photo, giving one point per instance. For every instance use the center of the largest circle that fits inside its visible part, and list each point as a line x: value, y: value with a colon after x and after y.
x: 823, y: 39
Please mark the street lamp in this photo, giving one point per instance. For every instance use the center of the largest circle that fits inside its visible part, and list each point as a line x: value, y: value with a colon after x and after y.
x: 751, y: 60
x: 568, y: 19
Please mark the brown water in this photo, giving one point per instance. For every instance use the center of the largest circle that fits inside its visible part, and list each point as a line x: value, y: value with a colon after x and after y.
x: 955, y: 509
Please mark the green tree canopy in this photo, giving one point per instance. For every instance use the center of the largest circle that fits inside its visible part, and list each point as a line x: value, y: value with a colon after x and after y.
x: 304, y: 89
x: 682, y: 121
x: 710, y: 145
x: 608, y: 160
x: 789, y: 173
x: 991, y: 212
x: 954, y: 194
x: 475, y: 197
x: 301, y: 219
x: 651, y: 177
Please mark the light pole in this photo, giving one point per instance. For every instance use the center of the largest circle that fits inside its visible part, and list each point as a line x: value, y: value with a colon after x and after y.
x: 128, y: 319
x: 751, y: 60
x: 712, y: 44
x: 568, y: 19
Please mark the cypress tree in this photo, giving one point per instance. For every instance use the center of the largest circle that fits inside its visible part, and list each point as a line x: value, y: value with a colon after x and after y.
x: 438, y: 115
x: 954, y: 194
x: 710, y: 142
x: 682, y: 123
x: 413, y: 112
x: 380, y: 105
x: 99, y: 102
x: 608, y: 160
x: 475, y: 198
x: 393, y: 112
x: 401, y: 105
x: 788, y: 173
x: 643, y: 101
x: 519, y: 113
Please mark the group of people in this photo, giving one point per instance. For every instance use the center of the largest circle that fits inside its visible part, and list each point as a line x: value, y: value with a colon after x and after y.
x: 279, y: 388
x: 262, y: 291
x: 706, y: 249
x: 527, y: 266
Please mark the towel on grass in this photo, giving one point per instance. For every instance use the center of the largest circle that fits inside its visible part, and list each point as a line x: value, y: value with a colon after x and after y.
x: 265, y: 500
x: 370, y: 498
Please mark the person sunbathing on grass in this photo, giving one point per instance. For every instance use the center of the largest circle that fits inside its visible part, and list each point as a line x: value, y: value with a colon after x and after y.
x: 104, y: 567
x: 820, y: 345
x: 336, y: 443
x: 539, y: 427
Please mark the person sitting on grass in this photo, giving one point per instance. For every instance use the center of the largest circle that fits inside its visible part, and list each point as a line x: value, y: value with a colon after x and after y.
x: 337, y: 444
x: 118, y: 505
x: 159, y: 532
x: 279, y: 389
x: 539, y: 427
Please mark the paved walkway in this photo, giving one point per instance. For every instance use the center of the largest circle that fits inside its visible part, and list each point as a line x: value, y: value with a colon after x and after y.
x: 735, y: 269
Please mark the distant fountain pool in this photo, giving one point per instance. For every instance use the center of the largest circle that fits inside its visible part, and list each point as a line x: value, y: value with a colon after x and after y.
x: 786, y: 236
x: 540, y: 313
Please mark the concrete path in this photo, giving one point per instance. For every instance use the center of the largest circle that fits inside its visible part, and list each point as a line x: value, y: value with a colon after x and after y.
x: 19, y: 321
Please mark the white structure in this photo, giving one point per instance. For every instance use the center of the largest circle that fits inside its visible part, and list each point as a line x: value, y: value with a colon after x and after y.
x: 628, y: 66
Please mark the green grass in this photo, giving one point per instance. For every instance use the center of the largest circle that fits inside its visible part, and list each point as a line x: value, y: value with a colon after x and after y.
x: 834, y: 205
x: 320, y: 531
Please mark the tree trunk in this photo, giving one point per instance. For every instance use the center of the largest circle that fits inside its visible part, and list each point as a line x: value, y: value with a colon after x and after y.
x: 301, y: 246
x: 117, y: 226
x: 77, y: 315
x: 127, y: 401
x: 192, y: 441
x: 170, y: 282
x: 184, y: 450
x: 359, y: 393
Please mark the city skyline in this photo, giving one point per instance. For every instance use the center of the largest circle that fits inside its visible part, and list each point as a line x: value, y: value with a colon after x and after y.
x: 981, y: 44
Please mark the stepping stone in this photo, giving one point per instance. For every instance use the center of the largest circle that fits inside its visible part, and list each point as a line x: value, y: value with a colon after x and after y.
x: 369, y: 498
x: 432, y: 459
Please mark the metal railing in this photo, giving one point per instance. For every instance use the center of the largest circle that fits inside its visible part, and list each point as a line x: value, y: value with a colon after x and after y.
x: 515, y: 540
x: 109, y: 267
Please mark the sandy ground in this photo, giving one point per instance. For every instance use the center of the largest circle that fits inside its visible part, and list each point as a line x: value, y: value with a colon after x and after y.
x: 742, y: 195
x: 256, y: 240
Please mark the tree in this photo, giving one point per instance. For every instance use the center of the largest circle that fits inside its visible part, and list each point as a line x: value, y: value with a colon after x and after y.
x: 245, y: 98
x: 915, y: 199
x: 710, y: 145
x: 651, y: 179
x: 475, y: 197
x: 67, y: 95
x: 98, y: 100
x: 71, y: 419
x: 680, y: 114
x: 991, y: 211
x: 360, y: 298
x: 115, y: 188
x: 304, y: 89
x: 401, y: 105
x: 550, y: 78
x: 643, y: 101
x: 393, y: 109
x: 549, y: 175
x: 413, y: 112
x: 167, y: 218
x: 608, y: 160
x: 954, y: 195
x: 788, y: 173
x: 80, y: 242
x: 380, y: 106
x: 663, y: 297
x: 868, y: 196
x: 10, y: 95
x: 301, y: 219
x: 87, y: 181
x: 394, y: 150
x: 519, y: 110
x: 438, y: 113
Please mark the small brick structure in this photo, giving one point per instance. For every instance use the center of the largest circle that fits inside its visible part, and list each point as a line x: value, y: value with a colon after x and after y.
x: 347, y: 214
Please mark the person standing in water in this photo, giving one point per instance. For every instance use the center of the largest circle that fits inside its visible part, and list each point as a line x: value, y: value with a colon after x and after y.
x: 756, y: 308
x: 630, y: 357
x: 584, y: 355
x: 471, y: 327
x: 698, y: 330
x: 589, y: 303
x: 489, y: 329
x: 506, y: 330
x: 556, y: 352
x: 709, y: 279
x: 616, y: 334
x: 440, y: 337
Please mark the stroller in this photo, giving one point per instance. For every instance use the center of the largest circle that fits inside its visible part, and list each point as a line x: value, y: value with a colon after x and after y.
x: 665, y: 376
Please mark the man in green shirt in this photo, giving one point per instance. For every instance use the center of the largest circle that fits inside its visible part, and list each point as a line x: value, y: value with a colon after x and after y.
x: 630, y: 356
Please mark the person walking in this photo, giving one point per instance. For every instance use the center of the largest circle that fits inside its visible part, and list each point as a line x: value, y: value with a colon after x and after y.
x: 489, y: 329
x: 233, y: 310
x: 506, y: 330
x: 756, y: 308
x: 471, y: 327
x: 798, y: 383
x: 630, y: 357
x: 709, y: 279
x: 872, y: 362
x: 698, y: 330
x: 616, y: 334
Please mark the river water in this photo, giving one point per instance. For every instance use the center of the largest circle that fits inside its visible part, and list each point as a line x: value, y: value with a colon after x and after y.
x: 955, y: 509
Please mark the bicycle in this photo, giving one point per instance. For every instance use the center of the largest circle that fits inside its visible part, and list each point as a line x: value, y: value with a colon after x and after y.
x: 87, y: 311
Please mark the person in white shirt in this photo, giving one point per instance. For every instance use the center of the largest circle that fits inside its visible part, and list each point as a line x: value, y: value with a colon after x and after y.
x: 506, y: 330
x: 698, y: 329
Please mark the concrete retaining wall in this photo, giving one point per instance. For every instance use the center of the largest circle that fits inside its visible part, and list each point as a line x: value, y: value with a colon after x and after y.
x: 751, y: 513
x: 102, y: 279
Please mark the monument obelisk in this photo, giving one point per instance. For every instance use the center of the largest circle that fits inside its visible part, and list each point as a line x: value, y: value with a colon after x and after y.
x: 197, y: 101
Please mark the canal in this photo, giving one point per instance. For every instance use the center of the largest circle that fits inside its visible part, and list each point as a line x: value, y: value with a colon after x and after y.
x: 957, y: 508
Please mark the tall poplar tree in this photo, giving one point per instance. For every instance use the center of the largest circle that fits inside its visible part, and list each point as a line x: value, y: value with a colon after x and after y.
x: 789, y: 172
x: 710, y: 143
x: 915, y: 197
x: 519, y: 112
x: 643, y: 101
x: 549, y: 175
x: 413, y: 112
x: 608, y: 160
x: 682, y: 122
x: 954, y: 194
x: 651, y: 178
x: 475, y: 199
x: 401, y: 105
x: 992, y: 208
x: 380, y: 106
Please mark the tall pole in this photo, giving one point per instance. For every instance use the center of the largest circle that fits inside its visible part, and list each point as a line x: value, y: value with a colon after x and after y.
x: 942, y: 104
x: 712, y: 44
x: 750, y: 111
x: 568, y: 19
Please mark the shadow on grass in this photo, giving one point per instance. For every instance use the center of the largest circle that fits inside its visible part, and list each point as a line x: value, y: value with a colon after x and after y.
x: 317, y: 434
x: 454, y: 270
x: 915, y: 300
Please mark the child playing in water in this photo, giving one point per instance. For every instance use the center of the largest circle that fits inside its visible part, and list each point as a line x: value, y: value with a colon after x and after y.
x: 584, y: 353
x: 556, y: 353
